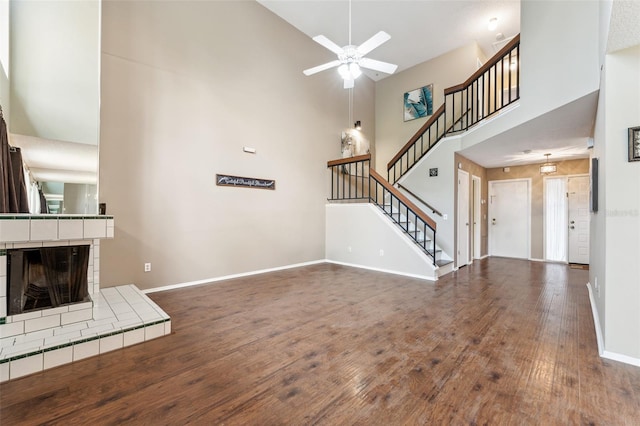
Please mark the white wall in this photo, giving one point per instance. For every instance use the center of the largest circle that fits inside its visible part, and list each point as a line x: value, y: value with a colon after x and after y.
x: 4, y: 60
x: 357, y: 234
x: 185, y: 85
x: 622, y: 214
x: 559, y: 61
x: 438, y: 191
x: 54, y: 69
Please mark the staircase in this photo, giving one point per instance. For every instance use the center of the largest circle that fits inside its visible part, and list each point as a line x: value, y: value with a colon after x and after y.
x: 489, y: 90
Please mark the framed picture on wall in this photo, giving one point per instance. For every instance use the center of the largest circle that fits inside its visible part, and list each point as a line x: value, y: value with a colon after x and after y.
x: 634, y: 143
x: 418, y: 103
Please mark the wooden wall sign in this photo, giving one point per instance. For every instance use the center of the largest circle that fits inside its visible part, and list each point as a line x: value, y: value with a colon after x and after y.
x: 245, y: 182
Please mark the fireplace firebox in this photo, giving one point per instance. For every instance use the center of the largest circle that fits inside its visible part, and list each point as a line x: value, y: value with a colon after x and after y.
x: 46, y: 277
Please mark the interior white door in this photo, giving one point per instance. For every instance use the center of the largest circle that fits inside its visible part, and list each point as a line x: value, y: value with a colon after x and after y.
x: 463, y: 218
x: 578, y: 189
x: 476, y: 232
x: 509, y: 214
x: 555, y: 219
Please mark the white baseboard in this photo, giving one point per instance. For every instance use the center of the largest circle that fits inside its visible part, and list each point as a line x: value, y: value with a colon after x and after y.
x: 604, y: 353
x: 596, y: 320
x: 404, y: 274
x: 621, y: 358
x: 228, y: 277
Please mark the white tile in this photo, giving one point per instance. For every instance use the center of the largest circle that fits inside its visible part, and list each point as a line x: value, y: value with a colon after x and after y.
x: 69, y: 328
x: 58, y: 357
x: 56, y: 243
x: 80, y: 306
x: 32, y: 244
x: 167, y: 328
x: 133, y: 337
x: 110, y: 232
x: 41, y: 323
x: 95, y: 228
x: 43, y: 334
x: 44, y: 229
x: 25, y: 366
x: 4, y: 372
x: 70, y: 229
x: 27, y: 315
x: 130, y: 323
x: 23, y: 348
x: 7, y: 341
x: 76, y: 316
x: 11, y: 329
x: 111, y: 223
x: 61, y: 339
x: 86, y: 349
x: 153, y: 331
x: 111, y: 343
x: 3, y: 306
x: 14, y: 230
x: 3, y: 266
x: 102, y: 329
x: 54, y: 311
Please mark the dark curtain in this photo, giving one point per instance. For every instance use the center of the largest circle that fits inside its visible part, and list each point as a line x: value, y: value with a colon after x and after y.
x: 44, y: 207
x: 53, y: 260
x: 13, y: 192
x: 65, y: 270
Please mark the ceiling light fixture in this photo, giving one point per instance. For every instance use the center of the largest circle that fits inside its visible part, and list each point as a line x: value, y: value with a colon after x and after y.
x: 547, y: 168
x: 493, y: 24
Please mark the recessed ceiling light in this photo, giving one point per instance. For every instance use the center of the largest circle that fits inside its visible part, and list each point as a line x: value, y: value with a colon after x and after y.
x: 493, y: 24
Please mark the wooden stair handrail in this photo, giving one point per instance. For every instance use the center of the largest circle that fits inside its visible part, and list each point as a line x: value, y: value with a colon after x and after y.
x: 348, y: 160
x: 418, y: 212
x: 486, y: 67
x: 434, y: 117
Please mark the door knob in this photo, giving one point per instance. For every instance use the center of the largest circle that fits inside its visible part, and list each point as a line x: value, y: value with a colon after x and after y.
x: 573, y: 221
x: 572, y: 227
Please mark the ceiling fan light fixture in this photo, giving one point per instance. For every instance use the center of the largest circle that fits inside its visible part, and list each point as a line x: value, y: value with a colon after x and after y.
x: 343, y: 70
x: 354, y: 70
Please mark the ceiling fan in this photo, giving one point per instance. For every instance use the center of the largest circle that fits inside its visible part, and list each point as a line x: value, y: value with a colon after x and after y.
x: 351, y: 58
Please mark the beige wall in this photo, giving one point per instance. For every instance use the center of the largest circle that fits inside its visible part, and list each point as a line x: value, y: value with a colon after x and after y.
x: 185, y: 85
x: 565, y: 168
x: 447, y: 70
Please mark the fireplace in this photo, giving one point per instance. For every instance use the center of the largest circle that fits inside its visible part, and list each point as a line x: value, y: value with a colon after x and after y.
x: 46, y: 277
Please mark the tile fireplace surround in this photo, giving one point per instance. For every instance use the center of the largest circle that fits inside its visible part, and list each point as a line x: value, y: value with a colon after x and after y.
x: 114, y: 318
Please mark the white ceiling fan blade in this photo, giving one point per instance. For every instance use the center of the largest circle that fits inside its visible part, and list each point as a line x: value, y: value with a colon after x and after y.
x: 348, y: 84
x: 322, y: 67
x: 372, y: 64
x: 320, y: 39
x: 373, y: 42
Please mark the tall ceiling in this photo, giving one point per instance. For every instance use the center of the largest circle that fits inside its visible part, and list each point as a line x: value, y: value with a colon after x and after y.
x: 420, y: 29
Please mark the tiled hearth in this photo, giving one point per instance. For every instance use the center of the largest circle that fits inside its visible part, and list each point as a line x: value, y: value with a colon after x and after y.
x: 114, y: 318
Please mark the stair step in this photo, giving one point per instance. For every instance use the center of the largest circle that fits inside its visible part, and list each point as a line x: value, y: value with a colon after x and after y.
x: 443, y: 262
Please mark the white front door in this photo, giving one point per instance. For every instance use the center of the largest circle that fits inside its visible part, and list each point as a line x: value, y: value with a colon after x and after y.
x: 463, y: 218
x: 578, y: 189
x: 509, y: 218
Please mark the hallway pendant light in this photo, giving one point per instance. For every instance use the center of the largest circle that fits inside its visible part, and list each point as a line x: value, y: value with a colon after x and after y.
x: 547, y: 168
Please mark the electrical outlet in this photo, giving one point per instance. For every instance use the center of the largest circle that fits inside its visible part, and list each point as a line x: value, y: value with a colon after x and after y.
x: 444, y: 216
x: 147, y: 267
x: 381, y: 252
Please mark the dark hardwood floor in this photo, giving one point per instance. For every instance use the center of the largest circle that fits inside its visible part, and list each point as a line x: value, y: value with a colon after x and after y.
x: 501, y: 342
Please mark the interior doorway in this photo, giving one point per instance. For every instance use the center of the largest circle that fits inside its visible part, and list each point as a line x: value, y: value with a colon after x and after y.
x: 463, y: 219
x: 579, y: 219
